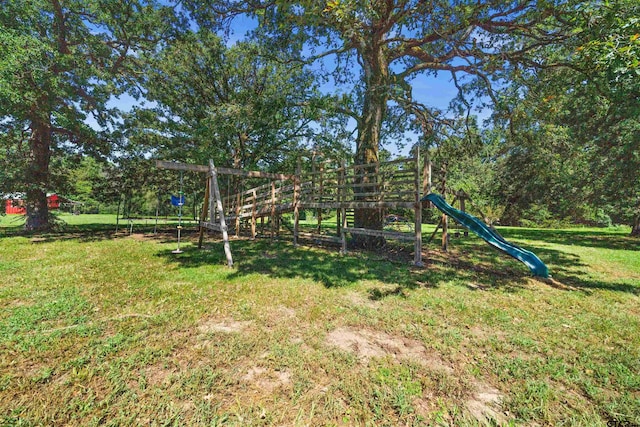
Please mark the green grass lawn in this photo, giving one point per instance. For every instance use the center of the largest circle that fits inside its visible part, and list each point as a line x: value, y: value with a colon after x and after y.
x: 69, y: 223
x: 105, y: 329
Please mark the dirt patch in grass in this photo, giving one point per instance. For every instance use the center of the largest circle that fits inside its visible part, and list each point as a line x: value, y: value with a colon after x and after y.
x: 139, y: 237
x: 359, y: 300
x: 369, y: 344
x: 227, y: 326
x: 478, y: 286
x: 267, y: 380
x: 159, y: 374
x: 191, y: 347
x: 479, y: 333
x: 279, y: 315
x: 484, y: 403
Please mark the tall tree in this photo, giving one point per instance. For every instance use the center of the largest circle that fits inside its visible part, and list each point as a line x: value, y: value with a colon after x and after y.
x: 608, y: 100
x: 390, y: 42
x: 61, y: 61
x: 574, y: 136
x: 230, y: 104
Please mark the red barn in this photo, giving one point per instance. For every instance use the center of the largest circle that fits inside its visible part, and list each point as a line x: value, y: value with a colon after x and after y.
x: 53, y: 201
x: 14, y: 203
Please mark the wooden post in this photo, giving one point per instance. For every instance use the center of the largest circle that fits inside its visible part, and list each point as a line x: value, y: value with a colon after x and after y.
x: 205, y: 212
x: 343, y: 199
x: 429, y: 176
x: 461, y: 198
x: 417, y: 257
x: 320, y: 199
x: 238, y: 206
x: 445, y: 232
x: 278, y: 213
x: 313, y: 177
x: 340, y: 197
x: 223, y: 224
x: 426, y: 179
x: 213, y: 212
x: 273, y: 209
x: 445, y: 218
x: 296, y: 203
x: 253, y: 214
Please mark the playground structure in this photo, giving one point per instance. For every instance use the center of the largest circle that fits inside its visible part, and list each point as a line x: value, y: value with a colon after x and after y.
x: 382, y: 187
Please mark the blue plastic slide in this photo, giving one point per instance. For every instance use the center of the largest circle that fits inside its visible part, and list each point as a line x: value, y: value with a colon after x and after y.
x: 537, y: 267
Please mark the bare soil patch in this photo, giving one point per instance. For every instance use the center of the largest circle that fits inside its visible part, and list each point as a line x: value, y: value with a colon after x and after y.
x: 369, y: 344
x: 280, y: 314
x: 139, y: 237
x: 227, y: 326
x: 484, y: 404
x: 357, y: 299
x: 266, y: 379
x: 159, y: 375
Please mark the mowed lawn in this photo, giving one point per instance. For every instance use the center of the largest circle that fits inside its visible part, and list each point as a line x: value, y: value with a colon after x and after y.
x: 105, y: 329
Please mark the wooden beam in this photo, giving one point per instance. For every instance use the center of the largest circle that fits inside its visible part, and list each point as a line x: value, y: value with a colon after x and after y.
x: 417, y: 251
x: 357, y: 205
x: 203, y: 215
x: 163, y: 164
x: 254, y: 174
x: 253, y: 216
x: 316, y: 236
x: 211, y: 226
x: 296, y: 203
x: 381, y: 233
x: 223, y: 225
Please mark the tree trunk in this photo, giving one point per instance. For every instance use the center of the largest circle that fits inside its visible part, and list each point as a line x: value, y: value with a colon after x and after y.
x: 376, y: 73
x: 37, y: 178
x: 635, y: 230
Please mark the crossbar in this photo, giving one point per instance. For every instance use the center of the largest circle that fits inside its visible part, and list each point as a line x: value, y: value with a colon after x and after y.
x: 163, y: 164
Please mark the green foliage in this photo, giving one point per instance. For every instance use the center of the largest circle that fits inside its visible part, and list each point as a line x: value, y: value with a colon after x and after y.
x: 230, y: 104
x: 378, y: 47
x: 61, y: 63
x: 610, y: 42
x: 570, y: 142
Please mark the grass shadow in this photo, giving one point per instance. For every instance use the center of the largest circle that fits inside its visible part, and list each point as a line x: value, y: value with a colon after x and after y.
x: 81, y: 234
x: 95, y: 232
x: 594, y: 238
x: 470, y: 263
x: 283, y: 260
x: 566, y: 268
